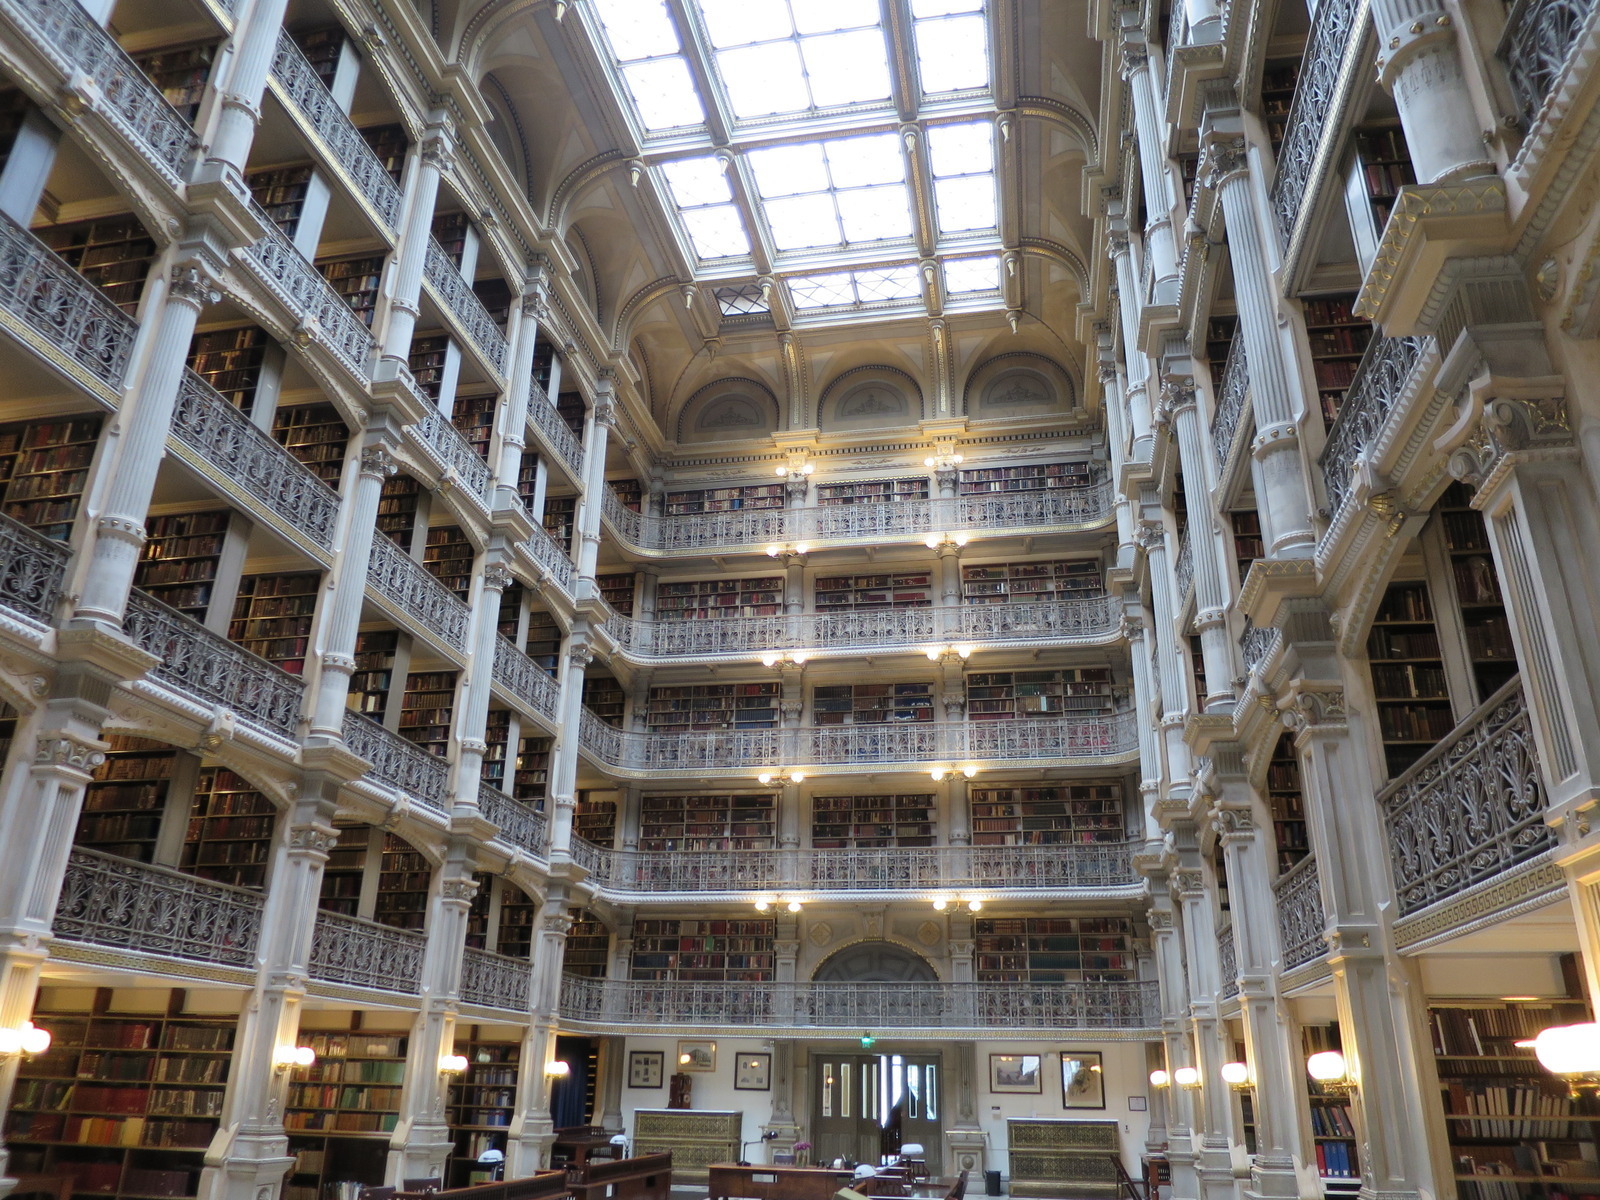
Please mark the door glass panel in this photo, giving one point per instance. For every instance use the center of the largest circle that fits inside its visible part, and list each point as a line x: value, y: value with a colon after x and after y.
x: 930, y: 1092
x: 844, y: 1089
x: 913, y: 1091
x: 827, y: 1089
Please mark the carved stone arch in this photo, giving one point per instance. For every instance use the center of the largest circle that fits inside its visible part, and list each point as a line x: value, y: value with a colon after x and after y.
x: 1053, y: 251
x: 875, y: 961
x: 872, y: 396
x: 588, y: 274
x: 1019, y: 383
x: 576, y: 182
x: 1057, y: 112
x: 480, y: 32
x: 622, y: 330
x: 729, y: 409
x: 506, y: 133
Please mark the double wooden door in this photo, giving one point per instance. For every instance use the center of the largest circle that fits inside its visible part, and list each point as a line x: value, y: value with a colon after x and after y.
x: 866, y: 1106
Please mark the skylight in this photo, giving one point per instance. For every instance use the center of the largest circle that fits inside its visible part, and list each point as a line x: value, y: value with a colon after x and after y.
x: 962, y: 157
x: 789, y: 56
x: 649, y: 55
x: 699, y: 188
x: 878, y: 285
x: 834, y: 193
x: 952, y: 42
x: 968, y: 275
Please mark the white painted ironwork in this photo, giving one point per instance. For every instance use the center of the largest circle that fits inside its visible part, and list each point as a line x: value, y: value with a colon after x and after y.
x: 366, y: 954
x: 553, y: 431
x: 1232, y: 397
x: 1379, y: 383
x: 31, y: 570
x: 1333, y: 35
x: 519, y: 824
x: 596, y: 860
x: 1255, y: 643
x: 444, y: 444
x: 552, y: 558
x: 457, y: 295
x: 1228, y: 962
x: 322, y: 312
x: 495, y: 980
x: 1535, y: 48
x: 397, y: 763
x: 1302, y: 927
x: 407, y: 584
x: 1183, y: 567
x: 525, y: 679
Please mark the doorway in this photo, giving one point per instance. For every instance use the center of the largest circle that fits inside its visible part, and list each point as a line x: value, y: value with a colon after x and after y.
x: 866, y: 1106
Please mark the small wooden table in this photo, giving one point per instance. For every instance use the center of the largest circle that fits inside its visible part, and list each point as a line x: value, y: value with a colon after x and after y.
x: 581, y: 1147
x: 775, y: 1183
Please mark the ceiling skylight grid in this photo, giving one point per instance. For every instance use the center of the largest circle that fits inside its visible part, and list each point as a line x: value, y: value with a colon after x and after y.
x: 835, y: 193
x: 962, y: 161
x: 699, y: 187
x: 649, y: 55
x: 952, y: 43
x: 875, y: 285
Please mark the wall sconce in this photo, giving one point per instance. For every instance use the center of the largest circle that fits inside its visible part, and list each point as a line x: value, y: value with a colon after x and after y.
x: 1328, y: 1068
x: 26, y: 1039
x: 780, y: 777
x: 948, y: 651
x: 293, y: 1058
x: 559, y: 1069
x: 944, y: 458
x: 1186, y: 1077
x: 935, y: 540
x: 785, y: 549
x: 1236, y: 1075
x: 939, y: 774
x: 1160, y: 1079
x: 1572, y: 1052
x: 791, y: 905
x: 795, y: 472
x: 452, y: 1064
x: 787, y: 658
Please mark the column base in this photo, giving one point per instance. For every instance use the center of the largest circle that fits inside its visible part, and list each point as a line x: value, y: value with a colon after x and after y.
x: 1273, y: 1179
x: 252, y: 1163
x: 969, y: 1149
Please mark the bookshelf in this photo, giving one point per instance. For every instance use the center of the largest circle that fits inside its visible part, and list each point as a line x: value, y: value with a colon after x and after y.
x: 1408, y: 679
x: 570, y: 408
x: 482, y: 1100
x: 473, y: 417
x: 629, y: 494
x: 588, y: 950
x: 1278, y: 80
x: 1039, y: 477
x: 356, y: 279
x: 397, y: 509
x: 178, y: 565
x: 230, y: 360
x: 345, y: 870
x: 1248, y: 544
x: 531, y: 784
x: 697, y: 600
x: 1286, y: 800
x: 388, y: 143
x: 1053, y: 949
x: 603, y: 696
x: 559, y: 514
x: 281, y: 193
x: 322, y: 48
x: 728, y: 499
x: 510, y: 615
x: 1220, y: 331
x: 272, y: 617
x: 316, y: 435
x: 544, y: 640
x: 448, y: 556
x: 712, y: 706
x: 717, y: 951
x: 114, y: 253
x: 373, y: 677
x: 427, y: 360
x: 1483, y: 613
x: 850, y: 593
x: 497, y: 740
x: 427, y: 708
x: 528, y: 478
x: 501, y: 917
x: 341, y: 1111
x: 230, y: 831
x: 495, y: 296
x: 1332, y: 1129
x: 865, y: 822
x: 617, y: 591
x: 740, y: 821
x: 872, y: 703
x: 450, y: 231
x: 1048, y: 814
x: 1383, y: 164
x: 44, y: 466
x: 1008, y: 695
x: 125, y: 1104
x: 1338, y: 339
x: 872, y: 491
x: 1025, y: 582
x: 403, y: 879
x: 595, y: 821
x: 122, y: 808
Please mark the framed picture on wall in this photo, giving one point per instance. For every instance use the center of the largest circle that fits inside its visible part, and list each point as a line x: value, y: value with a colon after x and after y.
x: 1017, y: 1073
x: 697, y: 1056
x: 1083, y: 1080
x: 752, y: 1073
x: 646, y: 1068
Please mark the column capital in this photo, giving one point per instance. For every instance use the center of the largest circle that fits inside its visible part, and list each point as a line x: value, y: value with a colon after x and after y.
x: 1504, y: 422
x: 497, y: 577
x: 193, y: 283
x: 1314, y: 706
x: 1150, y: 535
x: 378, y: 462
x: 1224, y: 158
x: 67, y: 752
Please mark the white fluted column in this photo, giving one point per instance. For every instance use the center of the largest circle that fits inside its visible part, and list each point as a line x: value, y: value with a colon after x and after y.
x: 1169, y: 673
x: 255, y: 43
x: 1420, y: 63
x: 603, y: 421
x: 493, y: 582
x: 416, y: 232
x: 564, y: 757
x: 514, y: 408
x: 1137, y: 392
x: 1206, y: 548
x: 1167, y: 948
x: 1155, y: 171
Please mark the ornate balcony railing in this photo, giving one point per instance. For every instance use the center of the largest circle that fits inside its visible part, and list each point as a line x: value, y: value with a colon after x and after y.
x: 1228, y: 962
x: 552, y: 427
x: 521, y: 676
x: 301, y: 84
x: 495, y: 980
x: 1301, y: 923
x: 1332, y: 33
x: 552, y: 558
x: 1255, y: 643
x: 457, y: 294
x: 596, y: 860
x: 519, y: 824
x: 110, y: 901
x: 1183, y: 566
x: 1127, y: 1006
x: 1537, y: 43
x: 94, y: 65
x: 252, y: 458
x: 212, y: 669
x: 70, y: 314
x: 31, y: 570
x: 445, y: 445
x: 1231, y: 396
x: 321, y: 311
x: 396, y: 762
x: 406, y: 583
x: 626, y: 521
x: 1379, y: 383
x: 1471, y: 808
x: 366, y: 954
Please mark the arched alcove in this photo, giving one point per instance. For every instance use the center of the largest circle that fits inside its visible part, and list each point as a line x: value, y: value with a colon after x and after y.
x: 875, y: 962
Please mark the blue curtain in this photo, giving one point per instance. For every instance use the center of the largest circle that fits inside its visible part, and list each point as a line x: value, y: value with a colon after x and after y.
x: 569, y: 1097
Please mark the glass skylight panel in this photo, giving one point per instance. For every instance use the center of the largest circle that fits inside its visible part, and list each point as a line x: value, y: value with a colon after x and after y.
x: 952, y: 39
x: 834, y: 193
x: 645, y: 44
x: 822, y: 291
x: 963, y: 275
x: 962, y: 159
x: 876, y: 285
x: 741, y: 300
x: 705, y: 202
x: 786, y: 56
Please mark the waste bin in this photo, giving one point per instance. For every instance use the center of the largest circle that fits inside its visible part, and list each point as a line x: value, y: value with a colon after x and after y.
x: 991, y: 1183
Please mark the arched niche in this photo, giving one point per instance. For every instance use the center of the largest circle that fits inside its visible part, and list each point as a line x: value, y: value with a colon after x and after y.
x: 875, y: 962
x: 729, y: 410
x: 875, y: 397
x: 1019, y: 384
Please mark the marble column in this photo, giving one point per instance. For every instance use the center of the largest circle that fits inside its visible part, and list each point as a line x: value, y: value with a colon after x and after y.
x: 1420, y: 63
x: 416, y: 232
x: 1166, y: 945
x: 492, y: 582
x: 532, y: 1132
x: 564, y: 757
x: 587, y: 535
x: 1155, y: 170
x: 1169, y: 672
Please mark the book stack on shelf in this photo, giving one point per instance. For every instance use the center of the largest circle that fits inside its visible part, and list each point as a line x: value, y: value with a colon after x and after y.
x: 427, y: 708
x: 482, y: 1100
x: 1053, y: 949
x: 448, y: 556
x: 354, y: 1086
x: 1408, y: 679
x: 604, y: 697
x: 427, y: 362
x: 346, y: 867
x: 617, y: 591
x: 1220, y: 331
x: 850, y: 593
x: 544, y: 640
x: 517, y: 912
x: 559, y: 514
x: 717, y: 951
x: 388, y: 144
x: 272, y: 617
x: 495, y: 296
x: 1048, y: 814
x: 178, y: 565
x: 528, y: 477
x: 281, y: 193
x: 1483, y: 611
x: 122, y: 808
x: 1338, y: 339
x: 1247, y: 543
x: 701, y: 599
x: 403, y: 879
x: 1013, y: 695
x: 628, y: 492
x: 316, y: 435
x: 1039, y: 477
x: 373, y: 677
x: 230, y: 360
x: 397, y: 509
x: 532, y: 781
x: 450, y: 231
x: 497, y: 740
x: 714, y: 822
x: 1287, y: 802
x: 509, y: 617
x: 588, y: 949
x: 322, y: 48
x: 1333, y: 1131
x: 113, y: 253
x: 230, y: 831
x: 1278, y: 81
x: 728, y: 499
x: 44, y: 466
x: 873, y: 491
x: 595, y: 821
x: 1022, y: 583
x: 872, y: 703
x: 712, y: 707
x: 473, y: 417
x: 1384, y: 161
x: 571, y: 409
x: 865, y: 822
x: 356, y: 280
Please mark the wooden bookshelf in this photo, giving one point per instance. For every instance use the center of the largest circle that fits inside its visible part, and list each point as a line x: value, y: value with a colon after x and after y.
x: 427, y: 709
x: 718, y: 951
x: 450, y: 231
x: 1286, y: 800
x: 852, y: 593
x: 727, y: 499
x: 322, y: 48
x: 345, y: 870
x: 1408, y: 679
x: 1383, y: 162
x: 1220, y: 332
x: 617, y: 591
x: 113, y: 253
x: 528, y: 477
x: 510, y: 615
x: 1338, y: 339
x: 1477, y: 584
x: 122, y: 808
x: 559, y: 515
x: 501, y: 917
x: 497, y: 740
x: 448, y: 555
x: 603, y: 696
x: 473, y: 417
x: 1053, y: 949
x: 1058, y: 814
x: 397, y: 509
x: 571, y: 409
x: 544, y: 640
x: 1333, y: 1131
x: 595, y: 821
x: 230, y: 831
x: 44, y: 466
x: 356, y: 279
x: 1248, y: 544
x: 482, y: 1100
x: 1278, y: 81
x: 588, y: 950
x: 354, y: 1086
x: 1008, y: 695
x: 272, y: 617
x: 712, y: 706
x: 867, y: 822
x: 495, y: 296
x: 531, y: 784
x: 1025, y: 582
x: 427, y: 361
x: 316, y: 435
x: 373, y: 678
x: 281, y: 192
x: 1037, y: 477
x: 388, y: 143
x: 404, y: 876
x: 737, y: 821
x: 873, y: 491
x: 629, y: 494
x: 178, y: 565
x: 697, y: 600
x: 1197, y: 669
x: 230, y: 360
x: 872, y: 703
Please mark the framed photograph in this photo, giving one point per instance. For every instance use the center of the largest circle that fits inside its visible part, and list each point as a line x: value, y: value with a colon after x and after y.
x: 1018, y: 1073
x: 646, y: 1068
x: 1083, y: 1080
x: 1138, y: 1104
x: 752, y: 1072
x: 697, y: 1056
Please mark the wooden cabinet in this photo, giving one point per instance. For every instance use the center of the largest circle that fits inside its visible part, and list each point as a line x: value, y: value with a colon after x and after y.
x: 1062, y: 1158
